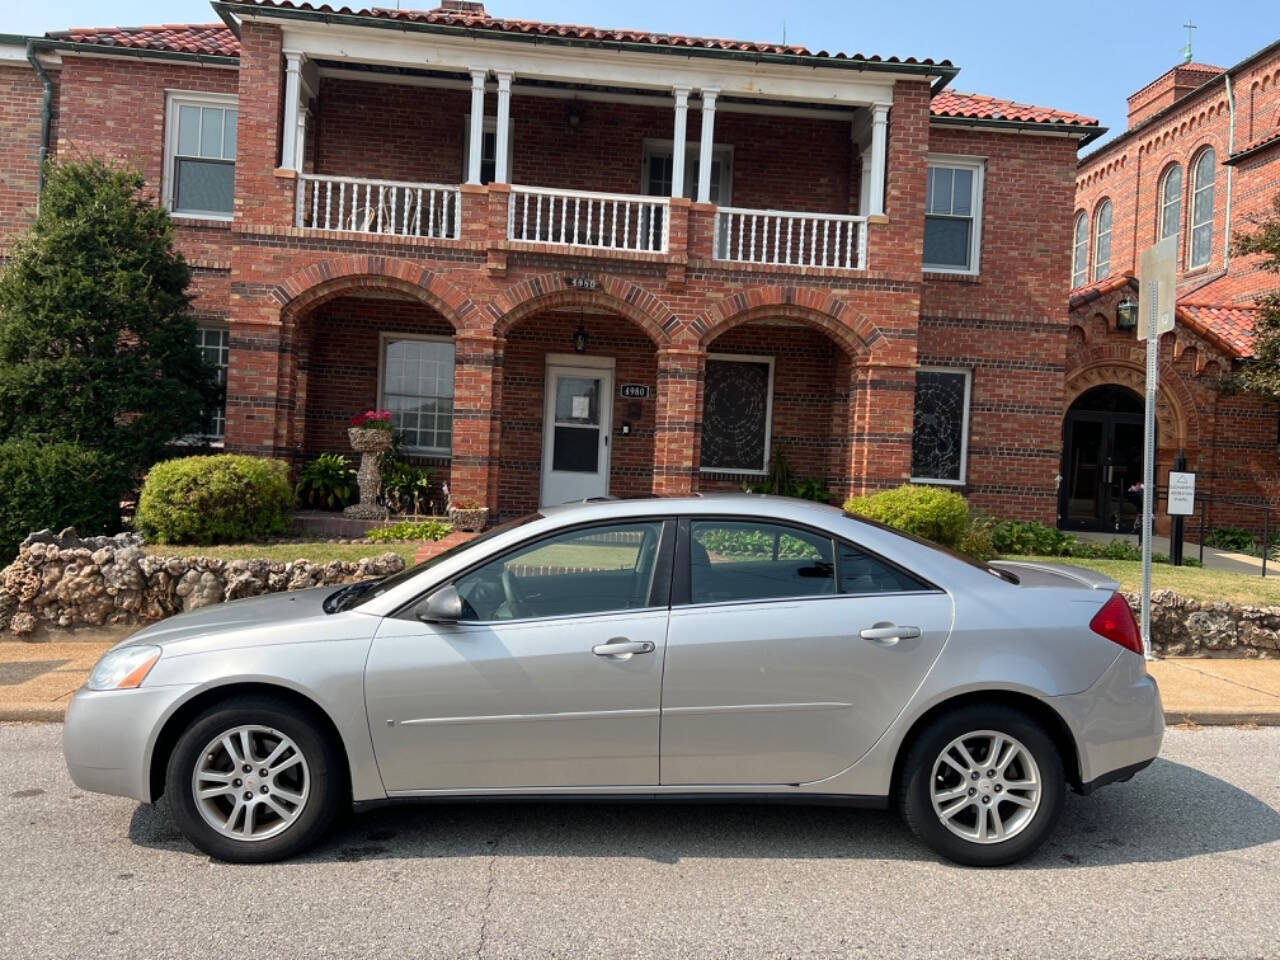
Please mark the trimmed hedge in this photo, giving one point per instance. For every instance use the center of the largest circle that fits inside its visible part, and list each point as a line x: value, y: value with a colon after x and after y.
x: 929, y: 512
x: 56, y: 485
x: 225, y: 498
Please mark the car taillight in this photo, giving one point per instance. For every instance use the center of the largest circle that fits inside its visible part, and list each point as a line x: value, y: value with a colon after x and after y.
x: 1115, y: 622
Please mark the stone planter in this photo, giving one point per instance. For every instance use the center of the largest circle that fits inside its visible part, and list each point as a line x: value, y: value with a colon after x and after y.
x: 371, y: 444
x: 469, y: 520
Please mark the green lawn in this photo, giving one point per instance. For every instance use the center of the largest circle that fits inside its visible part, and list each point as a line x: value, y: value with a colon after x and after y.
x: 1195, y: 582
x: 320, y: 551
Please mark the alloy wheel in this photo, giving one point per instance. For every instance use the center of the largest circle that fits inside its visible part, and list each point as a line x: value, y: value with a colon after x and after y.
x: 251, y: 782
x: 985, y: 787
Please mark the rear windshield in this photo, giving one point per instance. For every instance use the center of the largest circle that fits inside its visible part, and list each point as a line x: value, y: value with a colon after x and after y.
x: 1006, y: 575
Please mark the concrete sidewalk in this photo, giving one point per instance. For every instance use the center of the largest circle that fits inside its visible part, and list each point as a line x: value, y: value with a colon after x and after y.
x: 38, y: 679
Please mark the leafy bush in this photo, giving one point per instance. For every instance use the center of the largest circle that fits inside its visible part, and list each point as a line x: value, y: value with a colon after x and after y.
x: 219, y: 499
x: 929, y: 512
x: 405, y: 488
x: 1231, y: 538
x: 411, y: 530
x: 56, y: 485
x: 1030, y: 537
x: 328, y: 483
x: 977, y: 540
x: 780, y: 481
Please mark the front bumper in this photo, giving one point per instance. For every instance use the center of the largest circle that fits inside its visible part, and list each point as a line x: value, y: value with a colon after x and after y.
x: 109, y: 735
x: 1118, y: 722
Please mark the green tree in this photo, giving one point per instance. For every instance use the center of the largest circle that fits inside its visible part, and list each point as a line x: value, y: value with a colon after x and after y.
x: 97, y: 340
x: 1262, y: 373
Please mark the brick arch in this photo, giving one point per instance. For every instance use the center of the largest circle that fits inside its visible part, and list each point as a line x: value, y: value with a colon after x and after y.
x: 550, y: 292
x: 1175, y: 406
x: 814, y: 308
x: 329, y: 279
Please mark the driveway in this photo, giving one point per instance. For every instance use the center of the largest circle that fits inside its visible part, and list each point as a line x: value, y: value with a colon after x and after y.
x: 1184, y: 861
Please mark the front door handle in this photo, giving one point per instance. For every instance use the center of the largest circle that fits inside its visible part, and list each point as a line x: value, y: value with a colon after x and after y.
x: 889, y: 633
x: 620, y: 648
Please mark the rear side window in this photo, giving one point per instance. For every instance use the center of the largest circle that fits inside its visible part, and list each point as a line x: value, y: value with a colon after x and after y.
x: 745, y: 560
x: 861, y: 572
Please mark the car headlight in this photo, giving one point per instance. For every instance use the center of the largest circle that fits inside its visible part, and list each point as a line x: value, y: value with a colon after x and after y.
x: 124, y: 667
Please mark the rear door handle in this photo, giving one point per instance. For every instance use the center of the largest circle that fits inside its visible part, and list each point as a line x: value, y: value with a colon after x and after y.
x: 620, y: 648
x: 888, y: 633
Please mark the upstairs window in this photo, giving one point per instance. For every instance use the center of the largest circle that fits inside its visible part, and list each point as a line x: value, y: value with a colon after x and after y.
x: 1202, y: 208
x: 1080, y: 251
x: 488, y: 149
x: 1102, y: 240
x: 658, y: 166
x: 200, y: 154
x: 953, y: 215
x: 1170, y: 202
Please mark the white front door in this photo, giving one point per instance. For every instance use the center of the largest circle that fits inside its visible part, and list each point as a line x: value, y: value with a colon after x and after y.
x: 575, y: 433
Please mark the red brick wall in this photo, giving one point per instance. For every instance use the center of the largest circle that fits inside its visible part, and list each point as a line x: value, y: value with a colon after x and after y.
x: 20, y: 98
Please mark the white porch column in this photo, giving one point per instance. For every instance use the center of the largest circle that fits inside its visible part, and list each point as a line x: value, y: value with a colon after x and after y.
x: 501, y: 173
x: 477, y: 125
x: 678, y: 141
x: 290, y: 158
x: 704, y: 145
x: 879, y: 156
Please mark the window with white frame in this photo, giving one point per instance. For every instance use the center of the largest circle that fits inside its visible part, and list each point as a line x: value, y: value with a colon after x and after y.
x: 417, y: 388
x: 214, y: 344
x: 940, y: 428
x: 1170, y: 202
x: 659, y: 164
x: 953, y: 214
x: 1102, y: 240
x: 737, y: 410
x: 1202, y: 179
x: 1080, y: 250
x: 200, y: 154
x: 488, y: 149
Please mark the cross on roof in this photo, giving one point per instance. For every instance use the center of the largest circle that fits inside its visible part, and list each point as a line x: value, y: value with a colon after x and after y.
x: 1186, y: 51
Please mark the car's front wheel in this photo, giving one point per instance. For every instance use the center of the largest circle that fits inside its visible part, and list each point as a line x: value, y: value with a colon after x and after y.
x: 253, y: 780
x: 983, y: 786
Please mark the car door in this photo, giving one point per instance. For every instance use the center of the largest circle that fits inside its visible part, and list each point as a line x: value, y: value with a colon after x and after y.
x: 788, y: 653
x: 551, y: 678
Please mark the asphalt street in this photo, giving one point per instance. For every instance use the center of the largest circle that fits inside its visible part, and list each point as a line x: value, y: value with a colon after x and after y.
x: 1184, y: 861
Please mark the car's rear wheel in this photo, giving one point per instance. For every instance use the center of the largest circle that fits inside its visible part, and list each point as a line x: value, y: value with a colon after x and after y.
x: 253, y: 780
x: 983, y: 785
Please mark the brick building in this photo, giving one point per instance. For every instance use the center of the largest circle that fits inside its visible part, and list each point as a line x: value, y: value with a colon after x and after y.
x: 575, y: 261
x: 1199, y: 160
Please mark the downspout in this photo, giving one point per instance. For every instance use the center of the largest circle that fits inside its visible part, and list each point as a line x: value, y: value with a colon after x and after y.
x: 46, y: 113
x: 1231, y: 148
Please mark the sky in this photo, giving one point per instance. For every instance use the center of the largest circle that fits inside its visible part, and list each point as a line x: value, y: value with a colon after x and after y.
x: 1083, y: 55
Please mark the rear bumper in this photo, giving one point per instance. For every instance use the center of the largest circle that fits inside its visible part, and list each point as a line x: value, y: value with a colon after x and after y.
x: 1118, y: 723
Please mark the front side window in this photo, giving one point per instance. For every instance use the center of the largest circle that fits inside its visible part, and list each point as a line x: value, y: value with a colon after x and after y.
x: 417, y: 387
x: 737, y: 405
x: 940, y: 428
x: 1171, y: 202
x: 201, y: 155
x: 1102, y: 241
x: 593, y: 570
x: 1080, y: 251
x: 214, y: 344
x: 953, y: 212
x: 737, y: 560
x: 1202, y: 208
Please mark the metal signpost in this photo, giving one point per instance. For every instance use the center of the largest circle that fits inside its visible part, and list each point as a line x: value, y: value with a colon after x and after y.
x: 1157, y: 276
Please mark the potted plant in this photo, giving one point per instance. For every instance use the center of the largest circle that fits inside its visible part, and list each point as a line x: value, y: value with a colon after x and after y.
x: 370, y: 436
x: 466, y: 514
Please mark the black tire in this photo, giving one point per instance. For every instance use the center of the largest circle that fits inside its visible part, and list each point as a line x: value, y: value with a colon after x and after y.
x: 315, y: 815
x: 915, y: 799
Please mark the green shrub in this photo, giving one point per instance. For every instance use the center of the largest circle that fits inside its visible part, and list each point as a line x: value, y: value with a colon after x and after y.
x: 219, y: 499
x: 405, y: 488
x: 780, y: 481
x: 56, y: 485
x: 328, y: 483
x: 977, y: 540
x: 929, y: 512
x: 1030, y: 537
x: 411, y: 530
x: 1231, y: 538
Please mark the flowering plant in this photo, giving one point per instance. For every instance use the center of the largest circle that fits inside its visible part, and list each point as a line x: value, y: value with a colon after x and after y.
x: 372, y: 420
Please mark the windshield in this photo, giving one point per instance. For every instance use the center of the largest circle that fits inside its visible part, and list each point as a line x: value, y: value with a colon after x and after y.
x: 377, y: 588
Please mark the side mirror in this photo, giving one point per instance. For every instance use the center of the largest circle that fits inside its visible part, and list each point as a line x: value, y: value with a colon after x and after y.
x: 443, y: 606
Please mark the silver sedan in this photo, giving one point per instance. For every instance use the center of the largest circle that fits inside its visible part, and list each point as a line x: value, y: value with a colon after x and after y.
x: 705, y: 647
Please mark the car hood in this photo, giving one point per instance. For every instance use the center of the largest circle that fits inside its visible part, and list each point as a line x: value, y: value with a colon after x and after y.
x: 274, y: 610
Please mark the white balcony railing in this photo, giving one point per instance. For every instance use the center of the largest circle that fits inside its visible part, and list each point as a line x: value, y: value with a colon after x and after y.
x: 791, y: 239
x: 575, y: 218
x: 390, y: 207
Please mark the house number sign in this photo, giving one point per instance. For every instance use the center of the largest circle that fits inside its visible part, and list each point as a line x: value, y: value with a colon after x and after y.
x: 634, y: 391
x: 582, y: 283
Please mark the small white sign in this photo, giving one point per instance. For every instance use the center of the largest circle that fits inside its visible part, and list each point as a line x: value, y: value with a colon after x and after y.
x: 581, y: 408
x: 1182, y: 494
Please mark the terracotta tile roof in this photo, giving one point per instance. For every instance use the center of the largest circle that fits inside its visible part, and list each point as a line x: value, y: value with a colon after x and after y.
x: 1228, y: 326
x: 1088, y: 292
x: 480, y: 20
x: 977, y: 106
x: 208, y: 39
x: 1262, y: 142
